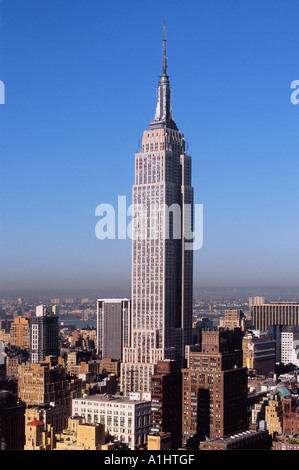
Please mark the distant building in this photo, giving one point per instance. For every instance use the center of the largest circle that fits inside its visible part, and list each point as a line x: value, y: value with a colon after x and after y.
x: 234, y: 319
x: 125, y: 418
x: 20, y: 333
x: 113, y: 327
x: 258, y: 300
x: 43, y: 334
x: 274, y: 313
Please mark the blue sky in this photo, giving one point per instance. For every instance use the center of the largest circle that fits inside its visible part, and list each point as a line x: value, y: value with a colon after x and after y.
x: 80, y: 87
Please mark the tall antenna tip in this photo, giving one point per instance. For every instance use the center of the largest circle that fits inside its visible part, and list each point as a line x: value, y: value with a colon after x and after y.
x: 164, y: 68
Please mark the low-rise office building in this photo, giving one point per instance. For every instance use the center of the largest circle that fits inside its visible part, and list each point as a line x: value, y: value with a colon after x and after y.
x: 127, y: 419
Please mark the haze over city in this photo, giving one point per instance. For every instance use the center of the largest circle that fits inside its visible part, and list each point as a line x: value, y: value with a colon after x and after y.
x: 79, y: 90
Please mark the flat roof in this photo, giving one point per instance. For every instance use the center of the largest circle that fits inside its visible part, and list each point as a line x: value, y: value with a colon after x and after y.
x: 239, y: 436
x: 111, y: 399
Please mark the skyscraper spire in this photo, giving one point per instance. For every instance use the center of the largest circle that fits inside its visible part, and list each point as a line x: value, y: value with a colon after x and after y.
x: 163, y: 115
x: 164, y: 67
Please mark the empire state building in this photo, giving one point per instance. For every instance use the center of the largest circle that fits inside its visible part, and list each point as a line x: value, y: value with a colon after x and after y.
x: 162, y: 266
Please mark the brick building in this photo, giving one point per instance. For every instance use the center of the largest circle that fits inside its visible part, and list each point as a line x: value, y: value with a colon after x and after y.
x: 20, y: 333
x: 290, y: 412
x: 166, y: 397
x: 42, y: 384
x: 214, y: 389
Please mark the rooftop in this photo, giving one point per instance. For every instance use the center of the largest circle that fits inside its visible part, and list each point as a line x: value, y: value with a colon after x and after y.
x: 239, y: 437
x: 112, y: 399
x: 35, y: 422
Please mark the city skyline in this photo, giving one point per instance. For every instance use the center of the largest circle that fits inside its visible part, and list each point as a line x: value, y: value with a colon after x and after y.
x: 73, y: 81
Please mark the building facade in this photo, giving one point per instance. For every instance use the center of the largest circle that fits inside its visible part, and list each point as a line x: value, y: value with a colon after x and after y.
x: 257, y: 300
x: 290, y: 421
x: 20, y: 333
x: 125, y: 418
x: 162, y: 256
x: 113, y: 327
x: 274, y: 313
x: 42, y: 384
x: 274, y: 415
x: 12, y: 361
x: 37, y: 437
x: 234, y: 319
